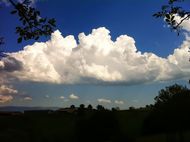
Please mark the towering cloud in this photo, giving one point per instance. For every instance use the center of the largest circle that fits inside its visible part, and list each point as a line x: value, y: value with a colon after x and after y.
x: 96, y: 59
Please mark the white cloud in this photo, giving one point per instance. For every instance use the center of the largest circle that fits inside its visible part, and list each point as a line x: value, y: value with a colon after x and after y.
x: 7, y: 66
x: 97, y: 59
x: 73, y: 96
x: 106, y: 101
x: 7, y: 90
x: 119, y: 102
x: 5, y: 99
x: 27, y: 98
x: 61, y: 97
x: 6, y: 93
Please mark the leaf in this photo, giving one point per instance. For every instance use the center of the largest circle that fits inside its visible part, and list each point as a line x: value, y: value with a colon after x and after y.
x: 24, y: 22
x: 164, y: 7
x: 173, y: 22
x: 52, y: 22
x: 37, y: 38
x: 167, y: 16
x: 167, y: 20
x: 155, y: 15
x: 27, y: 2
x: 172, y: 18
x: 14, y: 11
x: 19, y: 40
x: 38, y: 12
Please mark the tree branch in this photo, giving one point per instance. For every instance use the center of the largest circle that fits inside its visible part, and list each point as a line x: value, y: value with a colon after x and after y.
x: 185, y: 18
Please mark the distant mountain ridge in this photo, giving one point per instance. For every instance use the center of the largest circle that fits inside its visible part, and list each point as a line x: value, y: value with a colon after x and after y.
x: 23, y: 108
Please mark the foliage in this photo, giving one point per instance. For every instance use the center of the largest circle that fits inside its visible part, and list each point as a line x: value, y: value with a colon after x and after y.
x: 1, y: 40
x: 170, y: 111
x: 100, y: 107
x: 172, y: 93
x: 72, y: 106
x: 115, y: 109
x: 90, y: 107
x: 169, y: 11
x: 33, y: 25
x: 131, y: 108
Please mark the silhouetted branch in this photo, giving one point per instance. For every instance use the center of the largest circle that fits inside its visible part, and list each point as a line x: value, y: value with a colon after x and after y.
x: 33, y: 26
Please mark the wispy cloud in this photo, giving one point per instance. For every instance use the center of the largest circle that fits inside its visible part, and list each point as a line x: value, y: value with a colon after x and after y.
x: 47, y: 96
x: 27, y: 98
x: 119, y: 102
x: 106, y: 101
x: 62, y: 97
x: 5, y: 99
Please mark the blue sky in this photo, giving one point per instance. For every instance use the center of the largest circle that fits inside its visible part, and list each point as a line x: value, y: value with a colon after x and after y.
x: 120, y: 17
x: 131, y: 17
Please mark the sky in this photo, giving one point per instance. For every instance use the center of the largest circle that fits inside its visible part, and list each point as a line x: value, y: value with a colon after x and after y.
x: 108, y: 52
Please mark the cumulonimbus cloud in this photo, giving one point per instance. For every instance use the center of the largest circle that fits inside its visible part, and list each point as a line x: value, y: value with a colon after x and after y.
x: 97, y: 59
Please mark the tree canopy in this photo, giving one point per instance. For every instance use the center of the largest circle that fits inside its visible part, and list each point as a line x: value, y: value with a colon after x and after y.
x: 170, y: 111
x: 172, y: 95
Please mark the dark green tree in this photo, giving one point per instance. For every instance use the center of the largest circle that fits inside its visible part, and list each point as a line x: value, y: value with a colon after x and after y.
x: 170, y: 113
x: 72, y: 106
x: 131, y: 108
x: 100, y: 108
x: 82, y: 106
x: 115, y: 108
x: 172, y: 95
x: 89, y: 107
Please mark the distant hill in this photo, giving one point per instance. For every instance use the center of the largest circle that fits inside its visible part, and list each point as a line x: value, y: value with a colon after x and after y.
x: 23, y: 108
